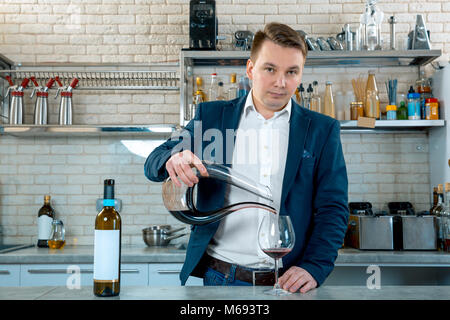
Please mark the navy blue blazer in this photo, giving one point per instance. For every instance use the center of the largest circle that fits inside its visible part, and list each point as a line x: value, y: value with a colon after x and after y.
x: 314, y: 192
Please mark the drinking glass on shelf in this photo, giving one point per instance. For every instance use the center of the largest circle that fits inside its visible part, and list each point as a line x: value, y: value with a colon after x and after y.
x: 276, y: 238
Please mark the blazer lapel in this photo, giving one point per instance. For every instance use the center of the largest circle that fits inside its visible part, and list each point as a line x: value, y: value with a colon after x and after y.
x: 231, y: 115
x: 298, y: 129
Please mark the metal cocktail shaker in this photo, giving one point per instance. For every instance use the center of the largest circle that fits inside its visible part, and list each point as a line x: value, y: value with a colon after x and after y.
x: 16, y: 107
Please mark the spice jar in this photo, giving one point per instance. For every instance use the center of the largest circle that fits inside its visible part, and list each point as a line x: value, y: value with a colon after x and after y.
x: 432, y: 109
x: 391, y: 112
x: 356, y: 110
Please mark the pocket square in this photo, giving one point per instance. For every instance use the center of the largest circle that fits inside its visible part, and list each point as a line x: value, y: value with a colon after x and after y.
x: 306, y: 154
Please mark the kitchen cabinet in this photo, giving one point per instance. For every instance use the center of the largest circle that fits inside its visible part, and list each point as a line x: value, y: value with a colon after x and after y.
x: 167, y: 274
x: 63, y: 274
x: 9, y: 275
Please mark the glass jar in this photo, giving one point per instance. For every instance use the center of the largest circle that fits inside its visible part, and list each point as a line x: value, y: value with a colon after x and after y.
x: 357, y: 110
x: 391, y: 112
x: 432, y: 109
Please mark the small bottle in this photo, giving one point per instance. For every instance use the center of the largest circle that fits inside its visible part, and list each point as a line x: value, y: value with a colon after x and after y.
x: 431, y: 109
x: 391, y: 112
x: 107, y: 246
x: 220, y: 94
x: 372, y: 103
x: 213, y: 88
x: 402, y: 111
x: 233, y: 89
x: 424, y: 89
x: 437, y: 213
x: 316, y: 100
x: 328, y: 101
x: 244, y: 86
x: 348, y: 99
x: 445, y: 216
x: 435, y: 199
x: 309, y: 98
x: 199, y: 95
x: 45, y: 219
x: 302, y: 95
x: 339, y: 103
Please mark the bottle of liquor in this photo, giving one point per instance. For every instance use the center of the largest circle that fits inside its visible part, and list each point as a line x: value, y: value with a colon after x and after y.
x: 435, y: 199
x: 45, y: 218
x: 107, y: 246
x: 199, y: 95
x: 437, y: 212
x: 445, y: 216
x: 213, y: 88
x: 233, y: 89
x: 328, y: 101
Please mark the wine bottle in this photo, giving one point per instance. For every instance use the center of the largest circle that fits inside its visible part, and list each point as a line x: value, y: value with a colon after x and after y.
x: 45, y: 218
x: 107, y: 246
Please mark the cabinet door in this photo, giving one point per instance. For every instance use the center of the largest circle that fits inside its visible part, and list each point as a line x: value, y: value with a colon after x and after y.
x: 9, y: 275
x: 72, y: 275
x: 167, y: 274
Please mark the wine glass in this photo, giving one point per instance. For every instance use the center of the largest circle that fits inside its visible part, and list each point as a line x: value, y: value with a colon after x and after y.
x: 276, y: 238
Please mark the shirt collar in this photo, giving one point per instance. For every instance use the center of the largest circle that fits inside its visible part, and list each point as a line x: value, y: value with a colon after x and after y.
x: 249, y: 106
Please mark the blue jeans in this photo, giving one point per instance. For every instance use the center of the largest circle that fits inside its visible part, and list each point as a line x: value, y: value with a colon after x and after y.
x: 215, y: 278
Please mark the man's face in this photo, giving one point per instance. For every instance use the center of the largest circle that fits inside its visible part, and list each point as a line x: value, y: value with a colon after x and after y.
x: 276, y: 73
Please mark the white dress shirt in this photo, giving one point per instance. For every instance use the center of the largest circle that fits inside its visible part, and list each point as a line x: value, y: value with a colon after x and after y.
x: 260, y: 154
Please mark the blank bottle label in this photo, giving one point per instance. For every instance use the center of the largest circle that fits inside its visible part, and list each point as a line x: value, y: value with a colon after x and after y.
x: 44, y: 227
x: 106, y: 255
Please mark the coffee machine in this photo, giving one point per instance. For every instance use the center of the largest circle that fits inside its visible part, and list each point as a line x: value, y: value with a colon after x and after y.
x: 203, y: 25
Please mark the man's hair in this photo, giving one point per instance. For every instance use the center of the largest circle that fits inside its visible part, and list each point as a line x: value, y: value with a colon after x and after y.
x: 281, y: 35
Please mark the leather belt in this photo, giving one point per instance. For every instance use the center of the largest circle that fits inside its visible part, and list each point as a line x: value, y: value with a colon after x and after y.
x: 256, y: 277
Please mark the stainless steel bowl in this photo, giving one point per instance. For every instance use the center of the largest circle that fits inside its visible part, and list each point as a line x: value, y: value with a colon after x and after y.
x: 162, y: 228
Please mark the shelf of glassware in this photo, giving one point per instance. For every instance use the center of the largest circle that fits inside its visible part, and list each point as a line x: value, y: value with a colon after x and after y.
x: 395, y: 125
x: 156, y: 130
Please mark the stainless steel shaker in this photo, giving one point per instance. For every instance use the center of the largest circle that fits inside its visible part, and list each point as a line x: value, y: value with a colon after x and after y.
x: 65, y: 106
x: 41, y: 105
x: 16, y: 106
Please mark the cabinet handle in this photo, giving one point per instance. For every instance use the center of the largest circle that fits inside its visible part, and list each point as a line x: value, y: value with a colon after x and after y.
x: 53, y: 271
x: 4, y: 272
x: 169, y: 271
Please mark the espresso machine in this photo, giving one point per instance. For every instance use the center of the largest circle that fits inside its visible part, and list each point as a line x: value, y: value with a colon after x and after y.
x: 203, y: 25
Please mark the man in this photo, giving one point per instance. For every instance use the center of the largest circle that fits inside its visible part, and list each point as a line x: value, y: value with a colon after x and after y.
x: 304, y: 167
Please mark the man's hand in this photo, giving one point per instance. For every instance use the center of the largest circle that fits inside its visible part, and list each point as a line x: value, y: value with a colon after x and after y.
x: 180, y: 164
x: 297, y: 278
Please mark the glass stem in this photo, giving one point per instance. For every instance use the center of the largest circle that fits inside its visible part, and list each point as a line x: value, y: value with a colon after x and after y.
x: 277, y: 286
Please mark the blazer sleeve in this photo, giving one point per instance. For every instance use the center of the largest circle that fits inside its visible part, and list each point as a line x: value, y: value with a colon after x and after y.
x: 155, y: 165
x: 330, y: 218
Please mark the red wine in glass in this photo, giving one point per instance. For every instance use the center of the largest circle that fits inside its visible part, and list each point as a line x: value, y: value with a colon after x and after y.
x: 277, y: 253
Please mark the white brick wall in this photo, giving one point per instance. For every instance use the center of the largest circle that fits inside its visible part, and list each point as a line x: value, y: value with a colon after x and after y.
x: 381, y: 167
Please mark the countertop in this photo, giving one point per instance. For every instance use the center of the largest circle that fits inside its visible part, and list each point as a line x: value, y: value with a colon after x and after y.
x: 173, y: 254
x: 230, y: 293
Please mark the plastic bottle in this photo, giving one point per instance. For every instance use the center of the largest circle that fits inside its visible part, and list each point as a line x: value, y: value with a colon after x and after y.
x: 213, y: 88
x: 372, y: 103
x: 402, y: 111
x: 233, y: 89
x: 413, y: 105
x: 339, y: 102
x: 328, y: 101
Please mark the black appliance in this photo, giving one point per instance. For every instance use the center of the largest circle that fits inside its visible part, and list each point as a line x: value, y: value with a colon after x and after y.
x: 202, y: 25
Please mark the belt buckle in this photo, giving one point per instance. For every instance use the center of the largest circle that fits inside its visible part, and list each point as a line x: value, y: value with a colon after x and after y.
x: 254, y: 272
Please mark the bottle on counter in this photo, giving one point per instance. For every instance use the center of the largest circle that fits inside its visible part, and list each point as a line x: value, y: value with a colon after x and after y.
x: 424, y: 89
x: 437, y: 212
x: 309, y: 97
x: 213, y: 88
x: 445, y: 216
x: 339, y: 104
x: 45, y: 219
x: 107, y: 246
x: 244, y: 86
x: 233, y: 89
x: 372, y: 103
x: 301, y: 90
x: 431, y: 109
x: 328, y: 101
x: 435, y: 199
x: 316, y: 100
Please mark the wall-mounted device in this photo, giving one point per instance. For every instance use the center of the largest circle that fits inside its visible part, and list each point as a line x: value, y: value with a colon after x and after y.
x: 202, y: 25
x: 243, y: 39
